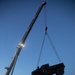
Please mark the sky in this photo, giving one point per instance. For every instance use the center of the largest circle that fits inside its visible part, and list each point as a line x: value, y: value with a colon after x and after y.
x: 15, y: 17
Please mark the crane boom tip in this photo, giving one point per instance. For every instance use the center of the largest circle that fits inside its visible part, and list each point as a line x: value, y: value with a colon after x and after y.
x: 44, y: 3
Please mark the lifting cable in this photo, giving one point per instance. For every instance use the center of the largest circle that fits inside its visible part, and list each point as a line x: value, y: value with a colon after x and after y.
x: 41, y: 49
x: 45, y: 22
x: 46, y: 34
x: 53, y: 47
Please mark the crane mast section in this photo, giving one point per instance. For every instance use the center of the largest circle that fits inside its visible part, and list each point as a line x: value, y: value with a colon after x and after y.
x: 32, y: 22
x: 20, y: 45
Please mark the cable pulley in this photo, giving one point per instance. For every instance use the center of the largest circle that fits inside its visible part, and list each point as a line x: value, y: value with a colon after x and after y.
x: 46, y: 28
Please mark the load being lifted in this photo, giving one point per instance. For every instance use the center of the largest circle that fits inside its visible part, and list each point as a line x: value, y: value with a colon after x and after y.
x: 49, y: 70
x: 43, y: 70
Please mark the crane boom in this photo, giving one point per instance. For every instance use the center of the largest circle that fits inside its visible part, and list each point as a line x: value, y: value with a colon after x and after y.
x: 21, y: 44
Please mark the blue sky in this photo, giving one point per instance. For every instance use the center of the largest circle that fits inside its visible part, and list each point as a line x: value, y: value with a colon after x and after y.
x: 15, y: 17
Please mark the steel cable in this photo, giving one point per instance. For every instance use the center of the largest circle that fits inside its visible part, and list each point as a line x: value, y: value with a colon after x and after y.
x: 41, y: 49
x: 53, y: 47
